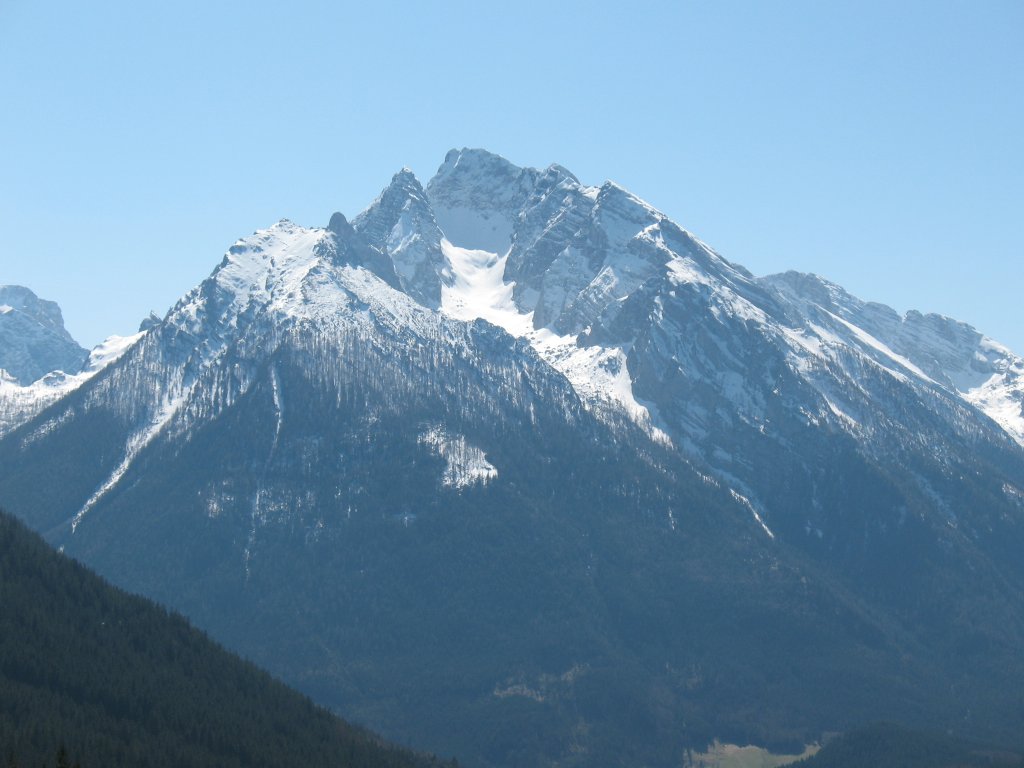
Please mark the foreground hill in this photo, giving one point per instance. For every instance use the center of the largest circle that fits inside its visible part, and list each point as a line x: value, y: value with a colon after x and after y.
x: 118, y: 681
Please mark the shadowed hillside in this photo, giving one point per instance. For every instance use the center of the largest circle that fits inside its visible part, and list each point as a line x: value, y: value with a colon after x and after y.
x: 118, y: 681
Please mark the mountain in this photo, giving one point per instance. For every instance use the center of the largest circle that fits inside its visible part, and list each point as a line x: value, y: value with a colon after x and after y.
x: 19, y: 403
x: 516, y: 468
x: 706, y: 344
x: 39, y: 361
x: 116, y: 681
x: 33, y: 340
x: 937, y: 350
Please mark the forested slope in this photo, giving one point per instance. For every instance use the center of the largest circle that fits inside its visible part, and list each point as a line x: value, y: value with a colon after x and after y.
x: 117, y: 680
x: 886, y: 745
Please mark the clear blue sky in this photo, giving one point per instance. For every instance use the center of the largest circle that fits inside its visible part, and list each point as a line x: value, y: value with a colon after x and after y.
x: 879, y: 144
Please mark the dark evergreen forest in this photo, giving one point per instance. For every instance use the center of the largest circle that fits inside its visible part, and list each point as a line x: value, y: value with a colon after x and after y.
x: 93, y: 676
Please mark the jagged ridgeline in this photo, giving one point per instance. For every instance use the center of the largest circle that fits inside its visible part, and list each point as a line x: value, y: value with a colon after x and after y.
x: 516, y: 468
x: 116, y: 680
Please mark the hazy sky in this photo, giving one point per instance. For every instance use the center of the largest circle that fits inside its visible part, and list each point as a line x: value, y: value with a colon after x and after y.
x: 879, y: 144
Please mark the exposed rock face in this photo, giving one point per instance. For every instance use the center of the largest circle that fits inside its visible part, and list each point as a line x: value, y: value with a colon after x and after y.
x: 33, y: 340
x: 401, y: 224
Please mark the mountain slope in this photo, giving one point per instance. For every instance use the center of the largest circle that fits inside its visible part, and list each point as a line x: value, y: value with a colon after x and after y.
x: 19, y: 403
x: 230, y: 465
x: 755, y: 380
x: 937, y: 349
x: 510, y: 455
x: 884, y: 745
x: 39, y: 361
x: 119, y: 681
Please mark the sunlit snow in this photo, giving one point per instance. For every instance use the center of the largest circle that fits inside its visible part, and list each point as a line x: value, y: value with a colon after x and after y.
x: 465, y: 464
x: 136, y: 443
x: 478, y: 290
x: 20, y: 403
x: 744, y: 501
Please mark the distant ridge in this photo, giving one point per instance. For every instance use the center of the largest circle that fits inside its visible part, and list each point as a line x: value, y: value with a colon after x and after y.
x: 33, y: 340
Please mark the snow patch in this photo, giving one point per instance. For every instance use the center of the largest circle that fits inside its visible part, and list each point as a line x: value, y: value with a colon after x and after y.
x: 1014, y: 493
x: 478, y: 290
x: 1001, y: 398
x: 869, y: 340
x: 134, y: 446
x: 258, y: 515
x: 745, y: 502
x: 685, y: 271
x: 110, y: 350
x: 20, y: 403
x: 850, y: 422
x: 275, y: 388
x: 466, y: 464
x: 598, y: 374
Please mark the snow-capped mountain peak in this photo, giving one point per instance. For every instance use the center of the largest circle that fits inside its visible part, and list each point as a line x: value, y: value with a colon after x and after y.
x: 435, y: 406
x: 935, y: 349
x: 19, y: 403
x: 33, y: 340
x: 640, y: 315
x: 39, y: 361
x: 475, y: 196
x: 401, y: 224
x: 637, y: 311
